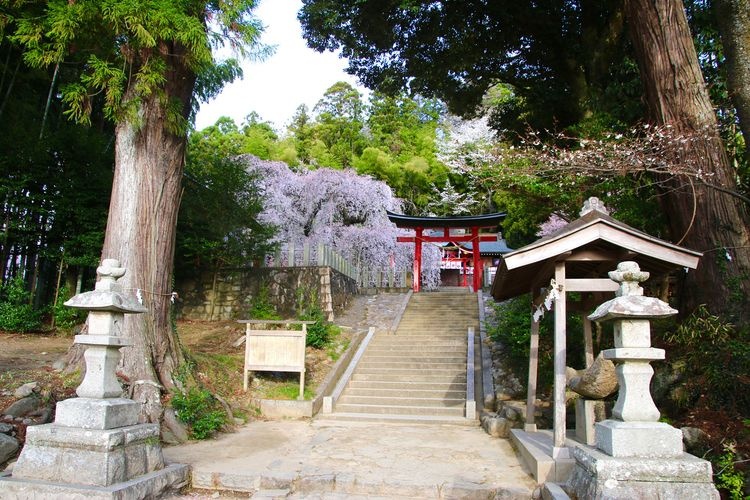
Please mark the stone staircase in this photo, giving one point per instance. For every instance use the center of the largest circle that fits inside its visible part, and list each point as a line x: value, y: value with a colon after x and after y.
x: 419, y: 372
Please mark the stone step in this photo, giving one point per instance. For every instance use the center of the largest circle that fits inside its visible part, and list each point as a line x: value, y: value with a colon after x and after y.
x: 438, y: 402
x: 411, y: 377
x: 412, y: 357
x: 405, y: 386
x: 408, y: 362
x: 407, y: 393
x: 384, y: 349
x: 399, y: 419
x: 399, y: 410
x: 411, y: 372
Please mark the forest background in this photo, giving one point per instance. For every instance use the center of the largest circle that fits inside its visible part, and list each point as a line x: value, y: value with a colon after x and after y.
x: 574, y: 104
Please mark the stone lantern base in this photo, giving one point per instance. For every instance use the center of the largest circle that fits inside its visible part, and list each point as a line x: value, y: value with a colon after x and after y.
x: 106, y: 456
x: 603, y: 477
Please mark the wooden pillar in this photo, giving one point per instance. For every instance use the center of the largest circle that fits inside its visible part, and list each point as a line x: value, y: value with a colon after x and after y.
x: 530, y: 425
x: 588, y: 341
x: 417, y: 259
x: 558, y: 443
x: 476, y: 258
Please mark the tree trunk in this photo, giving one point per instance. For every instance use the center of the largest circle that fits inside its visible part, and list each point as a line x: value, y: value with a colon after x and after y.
x: 700, y: 217
x: 141, y: 228
x: 733, y: 19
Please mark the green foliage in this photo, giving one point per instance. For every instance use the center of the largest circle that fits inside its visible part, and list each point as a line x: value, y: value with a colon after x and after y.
x: 319, y: 333
x: 66, y: 317
x: 289, y: 390
x: 728, y: 478
x: 218, y: 224
x: 512, y: 329
x: 718, y: 357
x: 261, y: 307
x: 16, y: 312
x: 200, y: 411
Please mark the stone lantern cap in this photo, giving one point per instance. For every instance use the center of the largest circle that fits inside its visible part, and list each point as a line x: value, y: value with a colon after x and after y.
x: 107, y: 295
x: 629, y: 301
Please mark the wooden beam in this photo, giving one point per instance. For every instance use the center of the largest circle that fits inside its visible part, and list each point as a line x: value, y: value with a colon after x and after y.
x: 558, y: 430
x: 443, y: 239
x: 593, y: 255
x: 590, y: 285
x: 530, y: 425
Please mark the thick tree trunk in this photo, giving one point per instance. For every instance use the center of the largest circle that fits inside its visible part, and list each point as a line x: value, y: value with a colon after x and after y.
x: 700, y: 217
x: 733, y: 18
x: 141, y: 234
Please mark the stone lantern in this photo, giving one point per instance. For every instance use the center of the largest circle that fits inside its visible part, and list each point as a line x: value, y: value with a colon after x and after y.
x: 637, y: 456
x: 96, y: 447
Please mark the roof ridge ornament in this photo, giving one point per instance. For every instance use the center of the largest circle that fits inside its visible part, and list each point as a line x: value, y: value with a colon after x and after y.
x: 593, y: 204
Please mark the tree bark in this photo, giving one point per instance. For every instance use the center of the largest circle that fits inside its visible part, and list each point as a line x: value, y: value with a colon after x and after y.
x: 141, y: 227
x: 700, y: 217
x: 733, y: 19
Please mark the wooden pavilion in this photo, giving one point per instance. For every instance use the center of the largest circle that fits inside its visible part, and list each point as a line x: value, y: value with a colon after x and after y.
x: 471, y: 223
x: 576, y: 258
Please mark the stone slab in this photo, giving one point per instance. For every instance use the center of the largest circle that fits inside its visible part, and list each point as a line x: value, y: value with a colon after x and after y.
x: 585, y: 419
x: 89, y: 456
x: 638, y: 439
x: 348, y: 458
x: 153, y: 485
x: 535, y: 450
x: 90, y: 413
x: 684, y: 468
x: 601, y: 477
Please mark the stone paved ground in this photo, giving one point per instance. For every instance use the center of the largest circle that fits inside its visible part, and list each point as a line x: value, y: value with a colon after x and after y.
x: 332, y: 460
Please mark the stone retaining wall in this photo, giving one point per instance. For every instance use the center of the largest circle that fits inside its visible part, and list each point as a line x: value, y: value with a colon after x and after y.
x: 235, y: 290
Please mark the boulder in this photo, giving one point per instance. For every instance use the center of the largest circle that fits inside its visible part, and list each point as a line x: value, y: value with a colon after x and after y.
x: 694, y: 439
x: 495, y: 426
x: 25, y: 390
x: 6, y: 428
x: 23, y: 406
x: 8, y: 447
x: 596, y: 382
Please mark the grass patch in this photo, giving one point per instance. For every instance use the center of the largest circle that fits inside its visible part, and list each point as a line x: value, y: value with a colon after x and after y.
x: 287, y: 391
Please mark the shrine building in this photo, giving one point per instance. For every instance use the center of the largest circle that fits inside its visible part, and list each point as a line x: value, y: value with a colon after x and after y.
x: 457, y: 236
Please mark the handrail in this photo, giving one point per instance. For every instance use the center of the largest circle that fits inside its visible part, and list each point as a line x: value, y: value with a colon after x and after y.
x: 471, y: 404
x: 275, y: 322
x: 488, y: 388
x: 329, y: 401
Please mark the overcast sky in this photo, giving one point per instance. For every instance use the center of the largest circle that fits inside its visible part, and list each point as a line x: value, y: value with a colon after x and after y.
x: 292, y: 76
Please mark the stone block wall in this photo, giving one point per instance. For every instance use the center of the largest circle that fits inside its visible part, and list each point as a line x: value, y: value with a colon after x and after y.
x: 230, y: 293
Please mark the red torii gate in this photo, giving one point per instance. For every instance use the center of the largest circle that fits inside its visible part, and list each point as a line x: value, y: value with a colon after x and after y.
x: 472, y: 222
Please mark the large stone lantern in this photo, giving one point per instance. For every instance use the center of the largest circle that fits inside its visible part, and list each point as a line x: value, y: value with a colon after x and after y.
x: 636, y: 456
x: 96, y: 448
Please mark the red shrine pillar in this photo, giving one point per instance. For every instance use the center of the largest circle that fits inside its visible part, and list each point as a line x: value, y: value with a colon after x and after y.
x: 417, y: 259
x: 476, y: 258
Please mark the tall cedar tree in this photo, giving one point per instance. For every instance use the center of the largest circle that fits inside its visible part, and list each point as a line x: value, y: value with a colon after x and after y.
x: 703, y: 217
x: 140, y: 60
x: 566, y: 50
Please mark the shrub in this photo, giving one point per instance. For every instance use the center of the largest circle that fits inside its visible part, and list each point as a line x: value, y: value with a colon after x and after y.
x: 319, y: 333
x: 66, y: 317
x: 727, y: 477
x: 718, y: 356
x: 261, y: 307
x: 16, y: 313
x: 200, y: 411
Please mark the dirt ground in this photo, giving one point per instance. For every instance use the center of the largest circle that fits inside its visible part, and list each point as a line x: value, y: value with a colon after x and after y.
x: 30, y: 351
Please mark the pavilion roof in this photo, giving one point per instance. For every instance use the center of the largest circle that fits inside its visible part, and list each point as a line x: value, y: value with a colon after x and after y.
x: 455, y: 221
x: 499, y: 247
x: 591, y: 246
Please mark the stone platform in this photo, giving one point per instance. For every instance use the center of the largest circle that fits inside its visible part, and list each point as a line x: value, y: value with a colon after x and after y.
x: 338, y: 459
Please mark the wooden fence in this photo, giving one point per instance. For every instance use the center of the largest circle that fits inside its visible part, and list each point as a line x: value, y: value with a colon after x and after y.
x: 291, y: 255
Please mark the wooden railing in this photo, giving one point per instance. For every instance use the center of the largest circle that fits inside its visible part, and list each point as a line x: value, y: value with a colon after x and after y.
x: 291, y: 255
